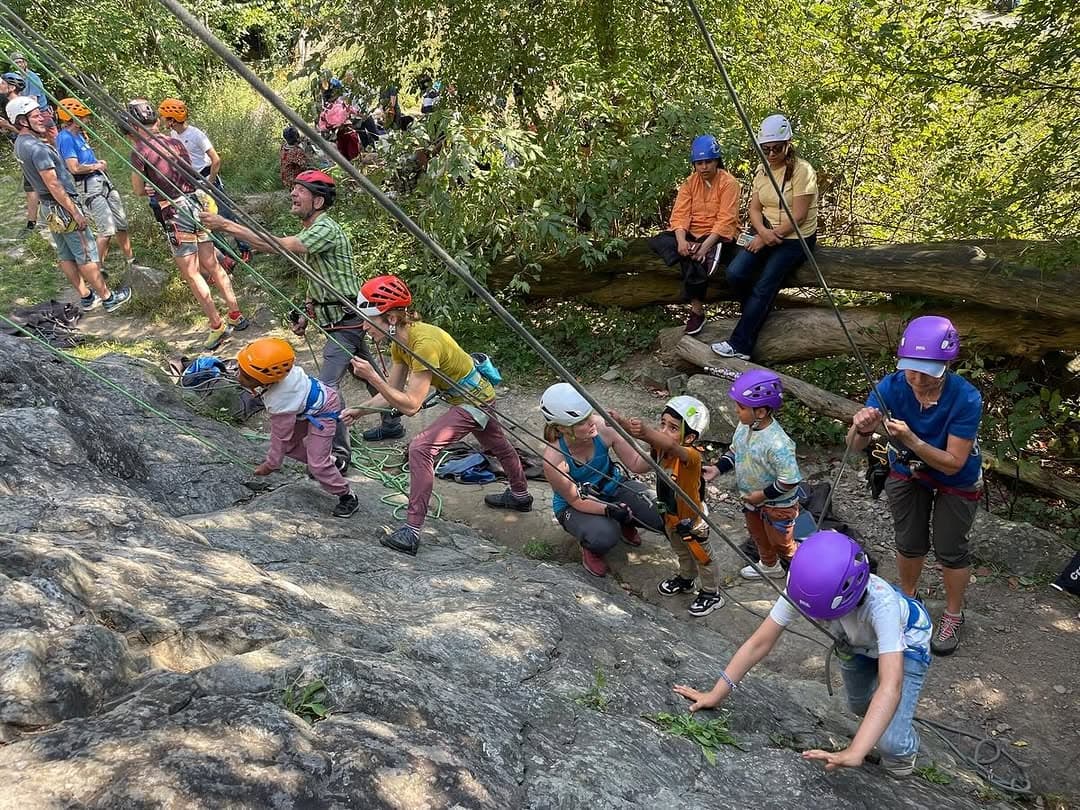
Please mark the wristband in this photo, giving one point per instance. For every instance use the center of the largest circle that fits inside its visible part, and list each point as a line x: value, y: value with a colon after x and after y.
x: 731, y: 684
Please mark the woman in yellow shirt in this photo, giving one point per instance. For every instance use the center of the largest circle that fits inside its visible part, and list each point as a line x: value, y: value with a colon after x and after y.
x: 759, y: 270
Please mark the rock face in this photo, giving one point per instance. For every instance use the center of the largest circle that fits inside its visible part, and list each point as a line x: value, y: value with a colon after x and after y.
x: 153, y: 613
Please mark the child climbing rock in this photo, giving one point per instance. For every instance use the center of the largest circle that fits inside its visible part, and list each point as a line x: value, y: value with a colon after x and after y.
x: 303, y: 415
x: 883, y: 649
x: 681, y: 424
x: 766, y: 471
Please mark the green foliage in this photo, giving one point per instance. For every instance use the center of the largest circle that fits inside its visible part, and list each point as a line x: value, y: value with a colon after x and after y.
x: 709, y: 734
x: 307, y: 700
x: 155, y: 350
x: 934, y: 775
x: 594, y: 697
x: 539, y: 550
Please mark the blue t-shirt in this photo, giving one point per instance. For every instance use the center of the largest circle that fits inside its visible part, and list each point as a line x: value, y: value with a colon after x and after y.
x: 957, y: 413
x: 35, y: 88
x: 74, y: 145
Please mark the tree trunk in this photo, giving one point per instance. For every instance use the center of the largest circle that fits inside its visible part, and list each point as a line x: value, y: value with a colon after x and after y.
x: 808, y: 332
x: 837, y: 407
x: 989, y: 273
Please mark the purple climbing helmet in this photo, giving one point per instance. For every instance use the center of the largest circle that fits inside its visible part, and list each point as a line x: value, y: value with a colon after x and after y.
x: 828, y: 575
x: 928, y: 344
x: 758, y: 388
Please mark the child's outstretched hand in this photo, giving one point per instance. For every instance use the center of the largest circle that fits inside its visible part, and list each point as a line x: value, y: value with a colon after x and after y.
x: 700, y: 700
x: 709, y: 472
x: 840, y: 759
x: 264, y: 469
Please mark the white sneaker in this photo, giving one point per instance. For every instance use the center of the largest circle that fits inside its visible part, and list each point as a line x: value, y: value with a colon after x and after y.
x: 725, y: 349
x: 772, y: 572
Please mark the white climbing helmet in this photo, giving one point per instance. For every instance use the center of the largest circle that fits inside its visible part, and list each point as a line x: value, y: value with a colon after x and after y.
x: 561, y: 404
x: 20, y: 105
x: 774, y: 128
x: 692, y: 411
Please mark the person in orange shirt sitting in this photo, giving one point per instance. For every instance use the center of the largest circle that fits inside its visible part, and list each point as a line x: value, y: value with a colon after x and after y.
x: 703, y: 225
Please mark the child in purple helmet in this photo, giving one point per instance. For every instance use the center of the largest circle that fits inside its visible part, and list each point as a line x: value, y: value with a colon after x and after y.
x: 882, y: 648
x: 935, y: 468
x: 766, y: 471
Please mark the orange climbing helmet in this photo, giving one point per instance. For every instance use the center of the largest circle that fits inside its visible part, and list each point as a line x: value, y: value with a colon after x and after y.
x: 70, y: 108
x: 267, y: 360
x: 173, y: 108
x: 382, y: 294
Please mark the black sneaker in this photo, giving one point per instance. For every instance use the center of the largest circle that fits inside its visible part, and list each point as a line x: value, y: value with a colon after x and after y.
x: 346, y: 505
x: 705, y: 603
x: 508, y: 500
x: 405, y: 540
x: 384, y: 432
x: 675, y: 585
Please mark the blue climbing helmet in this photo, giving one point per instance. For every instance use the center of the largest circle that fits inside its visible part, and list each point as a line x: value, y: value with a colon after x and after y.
x: 705, y: 147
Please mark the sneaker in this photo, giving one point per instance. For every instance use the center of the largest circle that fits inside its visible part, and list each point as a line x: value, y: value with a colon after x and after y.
x: 694, y: 324
x: 947, y: 638
x: 117, y: 299
x: 508, y: 500
x: 899, y: 766
x: 217, y: 336
x: 239, y: 323
x: 405, y: 540
x: 346, y: 505
x: 593, y: 563
x: 675, y: 585
x: 631, y: 536
x: 725, y: 349
x: 90, y: 302
x: 705, y: 603
x: 384, y: 432
x: 775, y: 571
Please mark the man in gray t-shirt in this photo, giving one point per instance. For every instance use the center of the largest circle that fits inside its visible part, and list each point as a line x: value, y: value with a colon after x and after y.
x: 72, y: 238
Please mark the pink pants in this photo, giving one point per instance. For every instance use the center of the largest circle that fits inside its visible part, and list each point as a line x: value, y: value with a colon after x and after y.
x: 299, y: 439
x: 445, y: 430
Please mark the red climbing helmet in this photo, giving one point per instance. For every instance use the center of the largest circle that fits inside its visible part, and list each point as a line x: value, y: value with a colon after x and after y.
x: 318, y: 183
x: 382, y: 294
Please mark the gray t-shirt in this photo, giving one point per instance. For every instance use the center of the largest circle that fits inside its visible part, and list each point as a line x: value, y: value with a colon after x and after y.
x: 37, y: 156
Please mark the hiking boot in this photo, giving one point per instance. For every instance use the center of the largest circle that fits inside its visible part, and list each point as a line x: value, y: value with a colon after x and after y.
x: 90, y: 302
x: 774, y: 571
x: 217, y: 336
x: 593, y: 563
x: 695, y: 323
x: 239, y: 323
x: 508, y: 500
x: 899, y: 766
x: 675, y: 585
x: 405, y: 540
x: 947, y: 637
x: 384, y: 432
x: 631, y: 536
x: 117, y: 299
x: 346, y: 505
x: 725, y: 349
x: 705, y: 603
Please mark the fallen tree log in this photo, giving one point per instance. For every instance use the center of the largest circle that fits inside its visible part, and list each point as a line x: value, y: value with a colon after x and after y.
x: 993, y: 274
x: 843, y: 409
x: 808, y: 332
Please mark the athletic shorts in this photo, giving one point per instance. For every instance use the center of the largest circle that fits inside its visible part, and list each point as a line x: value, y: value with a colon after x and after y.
x: 184, y: 233
x: 102, y: 202
x: 925, y: 517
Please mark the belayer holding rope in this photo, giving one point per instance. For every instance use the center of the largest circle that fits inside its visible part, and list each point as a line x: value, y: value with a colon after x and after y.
x: 303, y: 415
x: 386, y: 304
x: 593, y: 497
x: 882, y: 647
x: 935, y: 476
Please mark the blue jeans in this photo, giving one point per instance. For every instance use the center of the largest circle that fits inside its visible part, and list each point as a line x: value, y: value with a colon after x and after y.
x: 860, y: 681
x: 757, y: 296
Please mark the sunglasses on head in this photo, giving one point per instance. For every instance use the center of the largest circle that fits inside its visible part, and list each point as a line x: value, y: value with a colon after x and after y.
x: 770, y: 148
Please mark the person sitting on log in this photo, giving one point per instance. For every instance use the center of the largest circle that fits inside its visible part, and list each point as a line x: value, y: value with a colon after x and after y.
x: 759, y: 270
x: 703, y: 225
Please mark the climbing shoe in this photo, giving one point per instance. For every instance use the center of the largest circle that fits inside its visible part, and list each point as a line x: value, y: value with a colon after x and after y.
x: 947, y: 637
x: 695, y: 323
x: 346, y: 505
x: 775, y: 571
x: 675, y: 585
x: 899, y: 766
x: 593, y: 563
x: 237, y: 321
x: 217, y: 336
x: 90, y: 302
x: 117, y: 299
x: 383, y: 432
x: 705, y: 603
x: 508, y: 500
x: 631, y: 536
x: 725, y: 349
x: 405, y: 540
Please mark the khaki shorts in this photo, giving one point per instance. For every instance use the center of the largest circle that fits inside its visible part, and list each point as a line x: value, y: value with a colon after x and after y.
x: 183, y: 230
x: 923, y: 517
x: 102, y: 202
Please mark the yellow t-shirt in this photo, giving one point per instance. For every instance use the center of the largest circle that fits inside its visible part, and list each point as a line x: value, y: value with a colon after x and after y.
x: 803, y: 181
x: 442, y: 352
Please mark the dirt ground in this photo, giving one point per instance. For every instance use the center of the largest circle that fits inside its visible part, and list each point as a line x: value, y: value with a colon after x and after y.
x: 1016, y: 675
